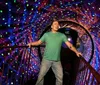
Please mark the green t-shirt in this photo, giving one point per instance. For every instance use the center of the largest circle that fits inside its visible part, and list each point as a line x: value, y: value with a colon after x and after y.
x: 53, y: 45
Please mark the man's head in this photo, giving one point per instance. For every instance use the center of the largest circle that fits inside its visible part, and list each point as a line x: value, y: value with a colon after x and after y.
x: 55, y: 25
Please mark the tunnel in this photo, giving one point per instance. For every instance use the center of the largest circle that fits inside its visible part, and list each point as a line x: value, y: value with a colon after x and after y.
x: 26, y: 21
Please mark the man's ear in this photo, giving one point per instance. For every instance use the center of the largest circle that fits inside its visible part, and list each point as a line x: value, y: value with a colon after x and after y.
x: 51, y: 26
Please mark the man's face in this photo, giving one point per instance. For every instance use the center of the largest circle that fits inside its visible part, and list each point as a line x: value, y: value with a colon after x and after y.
x: 55, y: 25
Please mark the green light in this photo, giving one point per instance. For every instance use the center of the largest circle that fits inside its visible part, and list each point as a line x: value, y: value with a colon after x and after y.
x: 27, y: 5
x: 14, y: 1
x: 0, y: 35
x: 0, y: 25
x: 1, y: 11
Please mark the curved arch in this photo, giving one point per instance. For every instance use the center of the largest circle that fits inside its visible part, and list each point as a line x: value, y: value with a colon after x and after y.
x: 74, y: 23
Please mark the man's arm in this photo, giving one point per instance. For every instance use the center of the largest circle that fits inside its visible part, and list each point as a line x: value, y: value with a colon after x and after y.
x: 36, y: 43
x: 70, y: 46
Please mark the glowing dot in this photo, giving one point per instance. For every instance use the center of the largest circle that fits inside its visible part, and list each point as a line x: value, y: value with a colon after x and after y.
x: 32, y: 9
x: 15, y: 61
x: 5, y: 23
x: 69, y: 39
x: 8, y: 53
x: 36, y: 6
x: 81, y: 1
x: 9, y: 9
x: 3, y: 18
x: 2, y: 54
x: 8, y: 44
x: 11, y: 16
x: 14, y: 1
x: 6, y: 32
x: 16, y: 80
x: 10, y: 48
x: 89, y: 3
x: 0, y: 35
x: 38, y: 2
x: 14, y: 27
x: 6, y: 3
x: 8, y: 25
x: 14, y: 19
x: 11, y: 83
x: 27, y: 5
x: 1, y: 11
x: 93, y: 7
x: 93, y: 15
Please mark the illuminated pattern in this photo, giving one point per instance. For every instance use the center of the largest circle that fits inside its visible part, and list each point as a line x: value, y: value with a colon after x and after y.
x: 22, y: 21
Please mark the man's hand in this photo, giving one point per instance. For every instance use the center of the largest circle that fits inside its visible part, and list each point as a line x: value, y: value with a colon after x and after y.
x: 35, y: 43
x: 29, y: 44
x: 79, y: 54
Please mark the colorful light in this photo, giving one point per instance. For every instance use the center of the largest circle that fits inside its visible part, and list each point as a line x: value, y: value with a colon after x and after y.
x: 23, y: 21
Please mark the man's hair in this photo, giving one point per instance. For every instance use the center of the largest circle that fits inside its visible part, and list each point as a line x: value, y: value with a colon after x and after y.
x: 53, y: 20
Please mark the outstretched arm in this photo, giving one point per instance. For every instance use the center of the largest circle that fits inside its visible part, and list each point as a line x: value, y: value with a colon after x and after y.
x: 70, y: 46
x: 36, y: 43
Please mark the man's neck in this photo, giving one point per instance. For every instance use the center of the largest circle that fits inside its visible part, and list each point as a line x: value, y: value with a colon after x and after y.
x: 53, y: 31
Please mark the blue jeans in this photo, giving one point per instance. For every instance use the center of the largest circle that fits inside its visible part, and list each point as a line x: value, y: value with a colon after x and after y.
x: 56, y: 67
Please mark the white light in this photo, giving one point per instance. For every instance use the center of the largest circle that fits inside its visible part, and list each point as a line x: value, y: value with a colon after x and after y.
x: 9, y: 9
x: 69, y: 39
x: 11, y: 83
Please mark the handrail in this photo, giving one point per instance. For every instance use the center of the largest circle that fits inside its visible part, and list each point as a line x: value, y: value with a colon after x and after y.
x: 92, y: 70
x: 87, y: 75
x: 16, y: 46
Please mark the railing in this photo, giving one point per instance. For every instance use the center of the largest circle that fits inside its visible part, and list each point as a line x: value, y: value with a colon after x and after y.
x: 87, y: 75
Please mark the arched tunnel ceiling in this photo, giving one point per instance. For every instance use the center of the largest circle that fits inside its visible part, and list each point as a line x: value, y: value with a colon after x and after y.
x: 22, y: 21
x: 36, y: 15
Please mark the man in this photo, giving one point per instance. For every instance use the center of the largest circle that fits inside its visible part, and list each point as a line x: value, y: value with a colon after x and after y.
x: 51, y: 57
